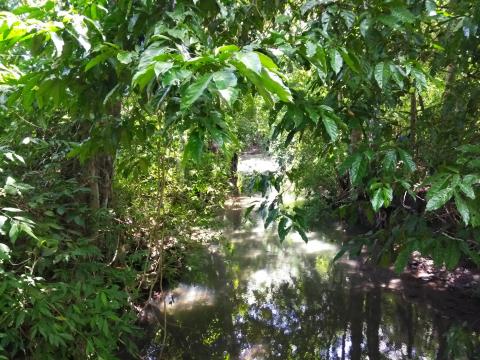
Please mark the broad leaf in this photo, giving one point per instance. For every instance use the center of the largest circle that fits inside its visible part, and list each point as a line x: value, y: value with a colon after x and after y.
x: 336, y: 60
x: 275, y: 85
x: 195, y: 90
x: 224, y: 79
x: 251, y: 61
x: 462, y: 208
x: 407, y: 160
x: 330, y: 126
x: 377, y: 200
x: 439, y: 199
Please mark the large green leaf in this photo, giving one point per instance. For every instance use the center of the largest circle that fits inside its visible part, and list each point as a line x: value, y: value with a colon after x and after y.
x: 336, y: 60
x: 274, y: 84
x: 462, y: 208
x: 283, y: 229
x: 467, y: 189
x: 194, y: 148
x: 389, y: 161
x: 358, y: 169
x: 330, y: 126
x: 439, y: 199
x: 229, y: 95
x: 251, y: 60
x: 195, y: 90
x: 266, y: 61
x: 224, y: 79
x: 382, y: 74
x: 407, y: 160
x: 377, y: 200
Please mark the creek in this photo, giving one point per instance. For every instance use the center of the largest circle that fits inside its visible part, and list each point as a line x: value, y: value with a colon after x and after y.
x: 251, y: 297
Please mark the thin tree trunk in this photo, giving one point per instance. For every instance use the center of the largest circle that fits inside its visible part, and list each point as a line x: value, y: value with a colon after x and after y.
x: 413, y: 122
x: 448, y: 94
x: 93, y: 184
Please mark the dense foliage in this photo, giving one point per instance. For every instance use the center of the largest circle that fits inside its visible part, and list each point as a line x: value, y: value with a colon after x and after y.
x: 121, y: 122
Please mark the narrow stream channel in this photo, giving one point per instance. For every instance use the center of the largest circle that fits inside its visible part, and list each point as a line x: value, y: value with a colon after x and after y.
x: 251, y: 297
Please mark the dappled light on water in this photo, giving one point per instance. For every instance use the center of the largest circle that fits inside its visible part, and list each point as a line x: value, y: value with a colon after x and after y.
x: 254, y: 297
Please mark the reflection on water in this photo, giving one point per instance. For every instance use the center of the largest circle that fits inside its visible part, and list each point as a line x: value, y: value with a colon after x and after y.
x: 259, y: 299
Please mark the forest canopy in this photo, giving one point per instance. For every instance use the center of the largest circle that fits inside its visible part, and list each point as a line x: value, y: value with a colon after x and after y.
x: 120, y: 121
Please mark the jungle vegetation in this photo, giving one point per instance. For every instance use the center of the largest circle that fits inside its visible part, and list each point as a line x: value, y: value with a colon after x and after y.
x: 120, y: 119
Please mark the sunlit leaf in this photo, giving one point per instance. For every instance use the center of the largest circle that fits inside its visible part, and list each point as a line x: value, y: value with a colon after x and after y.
x: 195, y: 90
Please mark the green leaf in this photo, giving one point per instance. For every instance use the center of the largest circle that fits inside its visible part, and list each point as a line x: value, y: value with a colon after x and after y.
x: 302, y: 233
x: 282, y: 228
x: 161, y: 67
x: 266, y: 61
x: 439, y: 199
x: 358, y: 169
x: 57, y: 42
x: 462, y: 208
x: 24, y: 227
x: 3, y: 220
x: 194, y: 148
x: 143, y: 77
x: 82, y: 32
x: 97, y: 60
x: 377, y: 200
x: 348, y: 17
x: 274, y: 84
x: 403, y: 14
x: 382, y: 74
x: 452, y: 255
x: 14, y: 231
x: 330, y: 126
x: 4, y: 252
x: 336, y: 60
x: 10, y: 209
x: 224, y: 79
x: 467, y: 189
x: 195, y: 90
x: 389, y: 161
x: 420, y: 79
x: 407, y: 160
x: 387, y: 194
x: 226, y: 49
x: 125, y: 57
x: 230, y: 95
x: 349, y: 61
x: 251, y: 60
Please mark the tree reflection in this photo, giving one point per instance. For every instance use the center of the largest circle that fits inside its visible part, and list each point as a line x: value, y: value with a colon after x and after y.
x: 281, y: 303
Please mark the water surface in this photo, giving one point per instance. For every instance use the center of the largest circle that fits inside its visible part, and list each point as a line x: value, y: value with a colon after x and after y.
x: 251, y: 297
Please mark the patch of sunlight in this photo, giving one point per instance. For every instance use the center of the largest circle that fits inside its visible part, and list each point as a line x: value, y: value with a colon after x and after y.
x: 316, y: 243
x: 186, y: 297
x: 260, y: 163
x: 256, y: 351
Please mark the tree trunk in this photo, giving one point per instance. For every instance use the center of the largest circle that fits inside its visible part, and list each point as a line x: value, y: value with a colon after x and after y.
x: 413, y: 122
x: 448, y: 97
